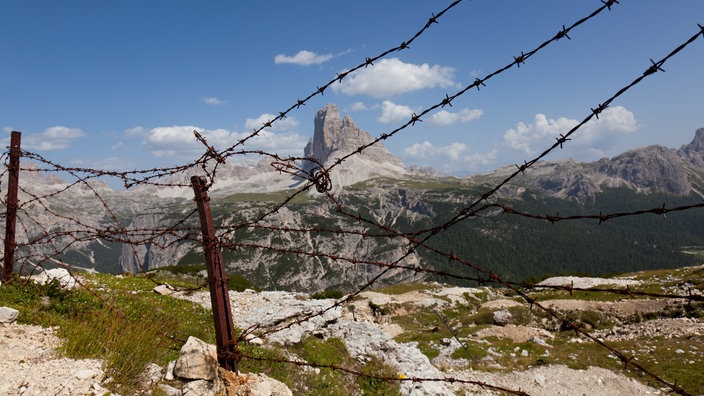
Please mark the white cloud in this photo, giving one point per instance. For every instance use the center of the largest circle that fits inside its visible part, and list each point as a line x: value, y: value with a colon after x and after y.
x: 135, y: 131
x: 391, y: 112
x: 213, y: 101
x: 391, y: 76
x: 594, y: 136
x: 444, y: 118
x: 284, y: 144
x: 54, y: 138
x: 455, y: 156
x: 529, y: 138
x: 303, y: 58
x: 358, y: 106
x: 180, y: 141
x: 280, y: 125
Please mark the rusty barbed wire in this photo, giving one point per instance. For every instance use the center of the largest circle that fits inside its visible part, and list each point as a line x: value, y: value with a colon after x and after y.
x: 318, y: 177
x: 465, y: 213
x: 398, y: 378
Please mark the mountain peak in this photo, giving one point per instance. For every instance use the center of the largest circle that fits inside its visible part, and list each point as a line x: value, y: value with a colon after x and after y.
x: 335, y: 137
x: 694, y: 151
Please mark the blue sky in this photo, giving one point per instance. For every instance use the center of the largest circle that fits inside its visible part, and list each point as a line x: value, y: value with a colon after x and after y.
x: 121, y: 84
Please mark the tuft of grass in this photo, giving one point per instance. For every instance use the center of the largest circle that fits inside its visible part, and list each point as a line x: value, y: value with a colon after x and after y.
x: 676, y: 359
x: 402, y: 288
x: 239, y: 283
x: 475, y: 352
x: 330, y: 293
x: 311, y: 380
x: 118, y: 320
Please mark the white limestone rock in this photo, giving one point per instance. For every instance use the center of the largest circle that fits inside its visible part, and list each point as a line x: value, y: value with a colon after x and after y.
x: 198, y: 360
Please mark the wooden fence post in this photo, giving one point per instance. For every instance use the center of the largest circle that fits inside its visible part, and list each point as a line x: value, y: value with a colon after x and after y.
x: 13, y: 173
x: 217, y: 280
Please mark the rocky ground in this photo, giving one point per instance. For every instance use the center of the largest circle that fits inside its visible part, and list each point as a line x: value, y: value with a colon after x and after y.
x: 29, y: 365
x: 366, y: 334
x: 370, y: 324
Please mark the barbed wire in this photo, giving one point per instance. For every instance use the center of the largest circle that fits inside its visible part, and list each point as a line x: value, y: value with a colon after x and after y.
x: 399, y: 378
x: 182, y: 229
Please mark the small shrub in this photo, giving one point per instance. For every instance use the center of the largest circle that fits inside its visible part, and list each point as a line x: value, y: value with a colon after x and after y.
x: 483, y: 317
x: 521, y: 315
x: 470, y: 352
x: 239, y: 283
x: 374, y: 385
x: 379, y: 309
x: 542, y: 361
x: 330, y: 293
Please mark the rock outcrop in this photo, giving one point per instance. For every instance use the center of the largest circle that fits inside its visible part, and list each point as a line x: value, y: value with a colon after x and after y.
x: 652, y: 168
x: 694, y: 151
x: 646, y: 169
x: 334, y: 137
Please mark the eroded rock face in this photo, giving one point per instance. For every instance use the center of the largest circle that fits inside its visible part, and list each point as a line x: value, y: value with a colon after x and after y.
x: 335, y: 137
x: 694, y: 151
x: 654, y: 168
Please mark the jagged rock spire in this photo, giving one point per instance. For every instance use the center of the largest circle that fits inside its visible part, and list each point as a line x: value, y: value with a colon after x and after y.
x: 335, y: 137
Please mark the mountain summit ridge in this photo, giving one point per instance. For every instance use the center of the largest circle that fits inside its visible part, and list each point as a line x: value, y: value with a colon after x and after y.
x: 335, y: 137
x: 646, y: 169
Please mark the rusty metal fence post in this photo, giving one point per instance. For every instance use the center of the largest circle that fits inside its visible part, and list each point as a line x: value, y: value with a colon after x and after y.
x: 217, y: 280
x: 13, y: 173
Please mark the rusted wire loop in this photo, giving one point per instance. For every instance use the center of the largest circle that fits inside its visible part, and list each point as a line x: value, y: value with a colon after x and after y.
x: 321, y: 179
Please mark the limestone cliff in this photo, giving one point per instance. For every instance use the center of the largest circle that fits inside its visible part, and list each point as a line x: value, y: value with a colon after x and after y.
x: 335, y: 137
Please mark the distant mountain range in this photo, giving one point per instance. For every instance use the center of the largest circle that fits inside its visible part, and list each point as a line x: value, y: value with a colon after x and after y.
x: 376, y: 185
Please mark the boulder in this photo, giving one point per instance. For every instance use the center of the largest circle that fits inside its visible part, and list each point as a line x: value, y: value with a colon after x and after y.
x: 199, y: 388
x: 502, y: 317
x: 8, y: 315
x: 198, y: 360
x: 65, y: 279
x: 254, y: 385
x: 164, y: 289
x: 167, y: 390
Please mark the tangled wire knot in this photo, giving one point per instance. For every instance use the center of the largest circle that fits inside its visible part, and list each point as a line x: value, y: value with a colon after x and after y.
x: 321, y: 179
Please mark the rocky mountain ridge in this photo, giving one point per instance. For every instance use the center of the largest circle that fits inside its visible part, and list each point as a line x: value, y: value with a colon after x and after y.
x: 647, y: 169
x: 377, y: 186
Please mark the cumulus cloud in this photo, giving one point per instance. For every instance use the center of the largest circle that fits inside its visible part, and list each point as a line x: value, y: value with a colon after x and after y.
x: 279, y: 125
x: 135, y: 131
x: 358, y: 106
x: 213, y: 101
x: 456, y: 156
x: 303, y: 58
x: 392, y: 112
x: 180, y: 141
x: 176, y: 140
x: 54, y: 138
x: 389, y: 77
x: 593, y: 136
x: 444, y: 118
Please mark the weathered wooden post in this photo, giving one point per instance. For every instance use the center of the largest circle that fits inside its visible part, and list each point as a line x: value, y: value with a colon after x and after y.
x: 217, y: 280
x: 13, y: 173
